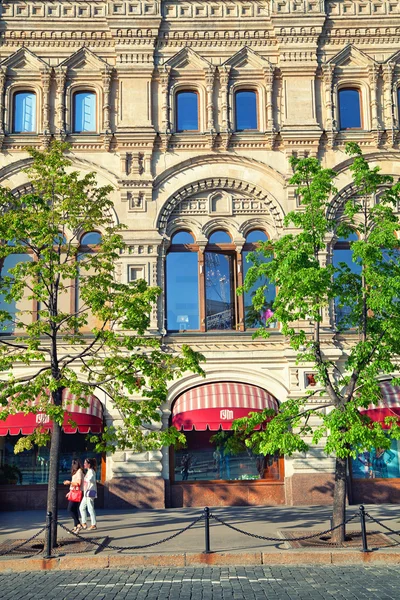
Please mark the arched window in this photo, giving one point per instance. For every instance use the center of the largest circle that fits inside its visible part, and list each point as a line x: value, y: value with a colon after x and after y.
x: 201, y: 286
x: 88, y: 245
x: 246, y: 110
x: 24, y: 112
x: 349, y: 108
x: 84, y: 112
x: 10, y: 324
x: 182, y: 289
x: 253, y: 318
x: 187, y: 111
x: 342, y: 254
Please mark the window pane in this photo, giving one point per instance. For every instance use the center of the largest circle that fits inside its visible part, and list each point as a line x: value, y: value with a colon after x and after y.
x: 84, y: 111
x: 93, y: 238
x: 349, y: 109
x: 219, y: 237
x: 182, y: 237
x: 187, y: 111
x: 253, y: 318
x: 256, y: 236
x: 12, y: 308
x: 24, y: 112
x: 344, y: 255
x: 220, y: 307
x: 182, y: 291
x: 378, y: 463
x: 246, y: 110
x: 205, y: 458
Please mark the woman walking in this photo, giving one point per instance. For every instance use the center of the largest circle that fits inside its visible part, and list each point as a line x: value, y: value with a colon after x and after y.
x: 75, y: 492
x: 89, y: 494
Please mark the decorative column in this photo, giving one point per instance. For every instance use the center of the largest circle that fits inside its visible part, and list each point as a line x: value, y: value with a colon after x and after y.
x: 331, y: 127
x: 61, y: 77
x: 224, y: 81
x: 45, y: 76
x: 106, y: 76
x: 390, y: 118
x: 210, y: 76
x: 3, y: 73
x: 165, y: 108
x: 269, y: 81
x: 373, y: 81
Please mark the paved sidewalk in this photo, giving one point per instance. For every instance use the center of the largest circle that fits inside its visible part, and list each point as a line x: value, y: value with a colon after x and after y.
x: 138, y: 528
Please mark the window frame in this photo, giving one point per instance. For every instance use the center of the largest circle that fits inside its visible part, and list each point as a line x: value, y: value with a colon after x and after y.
x: 356, y: 88
x: 255, y: 92
x: 186, y: 90
x: 81, y: 90
x: 14, y: 94
x: 232, y: 250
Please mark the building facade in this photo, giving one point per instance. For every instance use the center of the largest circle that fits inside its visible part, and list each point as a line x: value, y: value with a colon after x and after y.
x: 191, y: 110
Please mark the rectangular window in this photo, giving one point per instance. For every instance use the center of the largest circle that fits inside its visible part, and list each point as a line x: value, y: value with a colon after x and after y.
x: 246, y: 110
x: 182, y: 291
x: 187, y: 111
x: 349, y: 109
x: 84, y: 112
x: 24, y: 112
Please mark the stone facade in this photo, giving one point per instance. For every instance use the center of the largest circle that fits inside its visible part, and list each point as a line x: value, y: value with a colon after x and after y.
x: 136, y: 55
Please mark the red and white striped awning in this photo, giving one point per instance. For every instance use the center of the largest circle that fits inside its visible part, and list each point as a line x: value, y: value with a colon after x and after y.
x: 85, y: 418
x: 388, y: 406
x: 215, y: 405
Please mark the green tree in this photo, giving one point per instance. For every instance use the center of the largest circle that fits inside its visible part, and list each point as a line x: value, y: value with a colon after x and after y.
x: 367, y: 339
x: 101, y: 343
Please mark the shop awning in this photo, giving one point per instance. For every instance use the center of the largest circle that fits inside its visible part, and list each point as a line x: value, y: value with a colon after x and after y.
x: 216, y: 405
x: 388, y: 406
x: 86, y: 418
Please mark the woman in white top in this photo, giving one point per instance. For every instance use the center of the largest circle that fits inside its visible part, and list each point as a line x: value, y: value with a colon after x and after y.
x: 89, y: 493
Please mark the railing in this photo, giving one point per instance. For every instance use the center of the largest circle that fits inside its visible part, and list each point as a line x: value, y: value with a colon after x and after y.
x: 207, y: 517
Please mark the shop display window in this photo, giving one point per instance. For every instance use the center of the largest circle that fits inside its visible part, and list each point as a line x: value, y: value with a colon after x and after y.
x: 378, y: 463
x: 205, y: 458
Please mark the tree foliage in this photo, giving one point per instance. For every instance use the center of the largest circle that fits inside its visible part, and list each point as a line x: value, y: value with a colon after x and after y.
x: 100, y: 343
x: 364, y: 345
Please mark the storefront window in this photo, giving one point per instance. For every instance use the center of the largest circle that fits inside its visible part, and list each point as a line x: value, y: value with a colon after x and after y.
x: 204, y: 459
x: 378, y: 463
x: 34, y: 464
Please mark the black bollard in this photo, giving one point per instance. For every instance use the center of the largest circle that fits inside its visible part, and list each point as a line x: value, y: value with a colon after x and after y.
x: 49, y: 521
x: 363, y: 529
x: 207, y: 530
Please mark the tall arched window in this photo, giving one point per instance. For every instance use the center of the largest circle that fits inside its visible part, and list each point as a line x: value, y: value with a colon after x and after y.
x: 9, y: 324
x: 201, y: 286
x: 246, y: 110
x: 84, y: 112
x: 253, y: 318
x: 24, y: 112
x: 350, y: 108
x: 187, y: 111
x: 89, y: 243
x: 182, y: 289
x: 342, y: 253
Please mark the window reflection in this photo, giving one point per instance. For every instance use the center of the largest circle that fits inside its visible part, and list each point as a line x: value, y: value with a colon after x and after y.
x: 205, y: 458
x: 220, y: 310
x: 378, y: 463
x: 8, y: 324
x: 342, y: 253
x: 182, y: 291
x: 257, y: 318
x: 187, y: 111
x: 84, y: 112
x: 246, y: 110
x: 24, y: 118
x: 349, y: 109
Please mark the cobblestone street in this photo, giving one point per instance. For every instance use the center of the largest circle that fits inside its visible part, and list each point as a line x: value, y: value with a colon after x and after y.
x: 300, y: 583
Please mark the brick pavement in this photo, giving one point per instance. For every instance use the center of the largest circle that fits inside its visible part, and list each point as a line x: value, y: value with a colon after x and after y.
x: 251, y: 583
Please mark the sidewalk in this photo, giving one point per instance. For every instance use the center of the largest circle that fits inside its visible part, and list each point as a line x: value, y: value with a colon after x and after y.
x: 138, y: 528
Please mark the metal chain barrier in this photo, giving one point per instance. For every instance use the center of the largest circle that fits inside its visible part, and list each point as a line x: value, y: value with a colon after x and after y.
x: 112, y: 547
x: 271, y: 539
x: 382, y: 524
x: 13, y: 548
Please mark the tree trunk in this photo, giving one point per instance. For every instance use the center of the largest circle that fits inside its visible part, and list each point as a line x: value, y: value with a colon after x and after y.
x: 339, y: 501
x: 52, y: 488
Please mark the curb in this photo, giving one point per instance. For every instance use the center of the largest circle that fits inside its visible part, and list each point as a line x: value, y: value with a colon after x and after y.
x: 112, y: 561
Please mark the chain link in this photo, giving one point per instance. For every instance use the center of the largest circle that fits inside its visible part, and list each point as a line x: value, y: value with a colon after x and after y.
x: 271, y: 539
x: 13, y: 548
x: 112, y: 547
x: 381, y: 524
